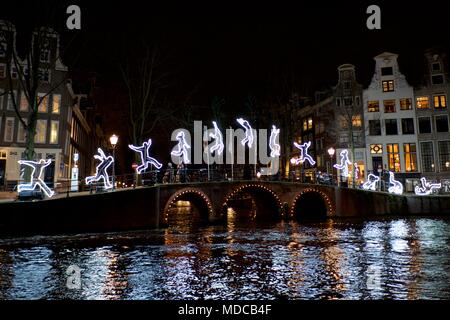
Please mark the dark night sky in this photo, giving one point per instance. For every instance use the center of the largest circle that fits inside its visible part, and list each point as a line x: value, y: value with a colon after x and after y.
x: 229, y: 49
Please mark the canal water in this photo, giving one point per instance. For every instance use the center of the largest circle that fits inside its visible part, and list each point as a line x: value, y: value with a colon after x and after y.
x: 335, y: 259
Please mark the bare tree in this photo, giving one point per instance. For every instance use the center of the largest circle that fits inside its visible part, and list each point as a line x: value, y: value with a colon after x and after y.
x: 145, y: 81
x: 31, y: 73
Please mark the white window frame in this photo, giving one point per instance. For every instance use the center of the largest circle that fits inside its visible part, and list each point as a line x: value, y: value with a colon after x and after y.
x: 53, y: 103
x: 9, y: 99
x: 12, y: 131
x: 19, y: 126
x: 45, y: 133
x: 51, y: 131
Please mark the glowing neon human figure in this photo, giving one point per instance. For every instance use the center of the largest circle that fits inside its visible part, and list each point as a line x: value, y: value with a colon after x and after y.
x: 183, y: 147
x: 345, y: 162
x: 426, y: 188
x: 101, y: 171
x: 273, y: 145
x: 248, y: 132
x: 36, y: 180
x: 371, y: 183
x: 145, y: 156
x: 395, y: 186
x: 218, y: 144
x: 304, y: 156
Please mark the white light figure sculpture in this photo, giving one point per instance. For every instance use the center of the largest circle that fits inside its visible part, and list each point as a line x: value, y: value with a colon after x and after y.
x: 183, y: 147
x: 273, y: 145
x: 248, y: 132
x: 218, y: 143
x: 145, y: 156
x: 304, y: 156
x: 427, y: 188
x: 36, y: 181
x: 395, y: 187
x: 101, y: 172
x: 345, y: 162
x: 371, y: 183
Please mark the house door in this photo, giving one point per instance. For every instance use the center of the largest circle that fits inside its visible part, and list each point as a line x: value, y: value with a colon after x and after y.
x: 2, y: 172
x: 49, y: 176
x: 377, y: 163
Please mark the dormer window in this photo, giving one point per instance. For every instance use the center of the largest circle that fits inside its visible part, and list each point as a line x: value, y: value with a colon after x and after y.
x: 436, y: 66
x: 388, y: 86
x: 438, y: 79
x: 3, y: 45
x: 387, y: 71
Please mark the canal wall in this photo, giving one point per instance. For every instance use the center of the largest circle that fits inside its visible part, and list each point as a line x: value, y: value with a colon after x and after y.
x: 147, y: 207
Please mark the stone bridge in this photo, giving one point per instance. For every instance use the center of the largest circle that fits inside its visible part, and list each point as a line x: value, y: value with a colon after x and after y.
x: 148, y: 207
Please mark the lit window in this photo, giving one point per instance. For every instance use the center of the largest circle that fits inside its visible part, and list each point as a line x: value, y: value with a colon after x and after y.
x: 310, y: 123
x: 393, y: 157
x: 440, y: 101
x: 410, y: 153
x: 305, y: 125
x: 422, y: 102
x: 388, y: 86
x: 389, y: 106
x: 54, y: 129
x: 376, y: 149
x: 405, y: 104
x: 43, y: 106
x: 373, y: 106
x: 56, y: 103
x: 41, y: 131
x: 356, y: 121
x: 23, y: 102
x: 9, y: 129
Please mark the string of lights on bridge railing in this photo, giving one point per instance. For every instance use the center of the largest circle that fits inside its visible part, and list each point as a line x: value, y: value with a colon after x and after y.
x: 182, y: 150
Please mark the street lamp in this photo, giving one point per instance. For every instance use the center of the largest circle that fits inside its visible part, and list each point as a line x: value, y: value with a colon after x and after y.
x: 113, y: 139
x: 331, y: 152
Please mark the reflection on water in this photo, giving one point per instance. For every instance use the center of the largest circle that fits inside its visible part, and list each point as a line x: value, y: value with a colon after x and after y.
x: 335, y: 259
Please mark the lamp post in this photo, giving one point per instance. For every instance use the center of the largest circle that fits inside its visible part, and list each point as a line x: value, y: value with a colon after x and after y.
x: 331, y: 152
x: 113, y: 139
x: 293, y: 163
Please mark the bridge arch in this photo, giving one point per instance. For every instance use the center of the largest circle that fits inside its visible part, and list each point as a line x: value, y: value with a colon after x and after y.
x: 311, y: 203
x: 196, y: 197
x: 267, y: 202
